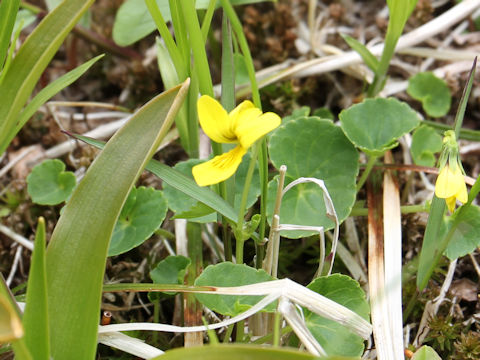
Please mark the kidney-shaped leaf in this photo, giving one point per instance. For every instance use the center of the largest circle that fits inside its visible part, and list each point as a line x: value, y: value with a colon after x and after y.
x: 49, y: 183
x: 425, y: 143
x: 426, y: 353
x: 337, y: 339
x: 313, y: 147
x: 228, y: 274
x: 432, y: 91
x: 375, y: 124
x: 143, y: 212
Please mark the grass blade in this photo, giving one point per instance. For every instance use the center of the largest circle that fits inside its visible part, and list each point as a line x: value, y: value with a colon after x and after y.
x: 77, y: 252
x: 32, y: 59
x: 8, y: 13
x: 35, y: 318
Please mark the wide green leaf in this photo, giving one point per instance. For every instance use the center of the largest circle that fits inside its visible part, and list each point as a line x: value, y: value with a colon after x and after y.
x: 335, y: 338
x: 180, y: 182
x: 375, y: 124
x: 30, y: 62
x: 49, y: 183
x: 142, y: 213
x: 241, y: 352
x: 313, y: 147
x: 35, y: 317
x: 426, y: 142
x: 228, y: 274
x: 432, y: 91
x: 77, y: 251
x: 170, y: 270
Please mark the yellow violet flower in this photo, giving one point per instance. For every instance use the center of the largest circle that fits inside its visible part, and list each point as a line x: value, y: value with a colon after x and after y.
x: 450, y: 183
x: 451, y: 186
x: 243, y: 126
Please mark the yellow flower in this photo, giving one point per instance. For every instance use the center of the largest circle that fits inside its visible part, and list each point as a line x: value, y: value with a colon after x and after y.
x: 451, y: 186
x: 243, y: 126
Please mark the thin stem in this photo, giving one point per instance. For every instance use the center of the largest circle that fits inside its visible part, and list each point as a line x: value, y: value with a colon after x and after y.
x: 277, y: 329
x: 366, y: 172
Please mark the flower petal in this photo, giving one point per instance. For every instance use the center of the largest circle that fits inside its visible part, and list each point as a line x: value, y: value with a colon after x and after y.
x: 244, y: 105
x: 451, y: 202
x: 214, y: 120
x: 219, y: 168
x: 251, y: 126
x: 462, y: 194
x: 449, y: 182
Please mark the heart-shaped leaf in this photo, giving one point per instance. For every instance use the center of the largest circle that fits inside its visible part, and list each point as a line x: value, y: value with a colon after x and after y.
x: 337, y: 339
x: 49, y: 183
x: 432, y: 91
x: 143, y: 212
x: 228, y: 274
x: 375, y: 124
x: 313, y: 147
x: 425, y: 143
x: 467, y: 234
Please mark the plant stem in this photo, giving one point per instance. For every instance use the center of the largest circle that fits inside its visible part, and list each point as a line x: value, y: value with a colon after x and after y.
x: 277, y: 329
x: 366, y: 172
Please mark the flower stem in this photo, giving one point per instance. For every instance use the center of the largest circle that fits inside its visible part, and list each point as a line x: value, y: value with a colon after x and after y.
x: 366, y: 172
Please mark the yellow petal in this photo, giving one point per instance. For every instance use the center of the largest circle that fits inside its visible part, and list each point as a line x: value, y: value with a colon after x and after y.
x: 462, y: 193
x: 451, y: 202
x: 251, y: 126
x: 244, y: 105
x: 214, y: 120
x: 219, y: 168
x: 449, y: 182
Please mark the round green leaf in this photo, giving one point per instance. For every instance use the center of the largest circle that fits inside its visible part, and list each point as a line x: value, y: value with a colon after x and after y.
x: 425, y: 143
x: 432, y: 91
x: 170, y: 270
x: 228, y: 274
x: 466, y: 237
x: 375, y: 124
x: 49, y: 184
x: 313, y: 147
x: 337, y: 339
x: 143, y: 212
x: 181, y: 203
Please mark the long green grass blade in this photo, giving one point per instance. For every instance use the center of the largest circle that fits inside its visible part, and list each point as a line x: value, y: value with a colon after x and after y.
x: 77, y: 251
x: 370, y: 60
x: 35, y: 318
x: 52, y: 89
x: 8, y: 13
x: 180, y: 182
x: 32, y: 59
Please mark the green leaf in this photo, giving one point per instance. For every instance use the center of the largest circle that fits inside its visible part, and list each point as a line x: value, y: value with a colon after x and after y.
x: 466, y: 237
x: 241, y: 352
x: 426, y: 142
x: 25, y: 18
x: 35, y: 317
x: 133, y: 21
x: 335, y: 338
x: 426, y: 353
x: 8, y: 13
x: 143, y: 212
x: 301, y: 112
x: 241, y: 72
x: 170, y: 270
x: 49, y: 183
x: 52, y: 89
x: 77, y: 252
x: 313, y: 147
x: 375, y: 124
x: 432, y: 91
x: 228, y: 274
x: 30, y: 62
x: 368, y: 58
x: 180, y: 182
